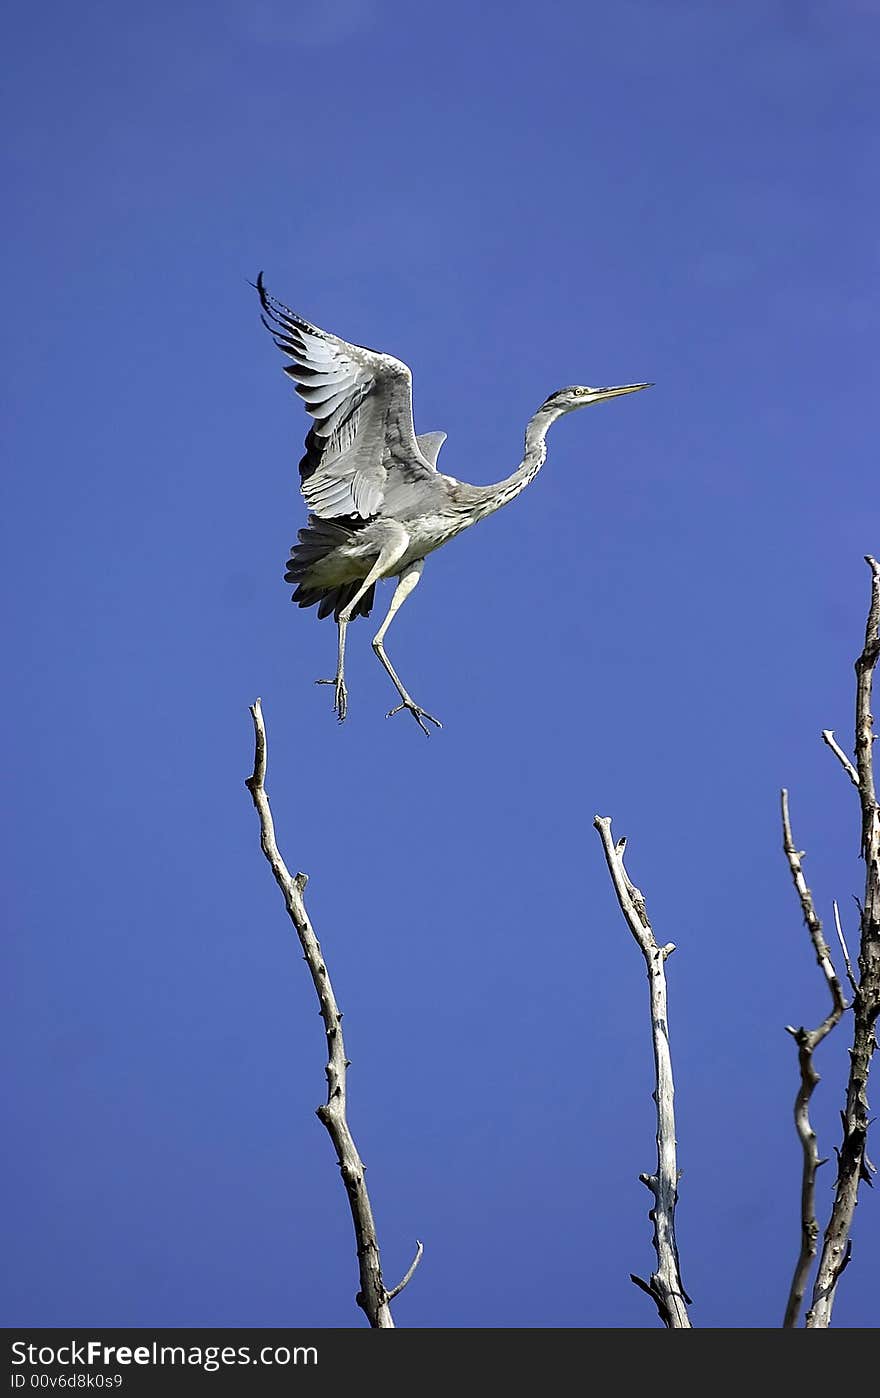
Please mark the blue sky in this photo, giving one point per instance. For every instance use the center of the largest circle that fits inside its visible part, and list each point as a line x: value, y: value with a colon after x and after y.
x: 510, y: 198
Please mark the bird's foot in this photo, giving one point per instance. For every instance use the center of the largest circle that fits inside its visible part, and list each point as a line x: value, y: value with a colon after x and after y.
x: 418, y: 713
x: 340, y: 702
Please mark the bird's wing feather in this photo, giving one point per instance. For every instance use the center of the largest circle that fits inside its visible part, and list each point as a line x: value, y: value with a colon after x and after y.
x: 361, y: 401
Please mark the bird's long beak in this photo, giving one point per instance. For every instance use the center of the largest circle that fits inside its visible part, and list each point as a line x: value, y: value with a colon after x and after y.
x: 600, y: 394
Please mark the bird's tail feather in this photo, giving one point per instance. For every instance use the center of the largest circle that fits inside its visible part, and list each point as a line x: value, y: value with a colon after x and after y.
x: 333, y: 599
x: 316, y: 540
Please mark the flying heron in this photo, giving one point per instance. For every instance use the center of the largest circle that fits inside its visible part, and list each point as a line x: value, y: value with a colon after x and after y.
x: 377, y: 503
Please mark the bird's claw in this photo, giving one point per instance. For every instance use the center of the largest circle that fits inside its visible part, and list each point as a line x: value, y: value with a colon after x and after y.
x: 418, y: 714
x: 340, y: 701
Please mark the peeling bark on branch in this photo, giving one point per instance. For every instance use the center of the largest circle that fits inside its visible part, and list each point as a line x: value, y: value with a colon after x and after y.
x: 372, y: 1296
x: 665, y: 1286
x: 853, y: 1163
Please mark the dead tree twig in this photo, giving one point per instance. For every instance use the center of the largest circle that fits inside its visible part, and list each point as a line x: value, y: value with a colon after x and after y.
x: 665, y: 1285
x: 853, y: 1164
x: 829, y: 739
x: 372, y: 1296
x: 807, y: 1041
x: 843, y: 947
x: 407, y: 1278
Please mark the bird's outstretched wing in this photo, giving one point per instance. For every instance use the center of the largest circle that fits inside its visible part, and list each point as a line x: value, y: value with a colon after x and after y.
x: 361, y: 401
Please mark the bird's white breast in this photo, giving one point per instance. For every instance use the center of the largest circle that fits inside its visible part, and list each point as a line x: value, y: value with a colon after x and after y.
x: 430, y: 532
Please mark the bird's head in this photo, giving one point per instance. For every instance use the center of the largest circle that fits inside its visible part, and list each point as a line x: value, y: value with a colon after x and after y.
x: 565, y: 400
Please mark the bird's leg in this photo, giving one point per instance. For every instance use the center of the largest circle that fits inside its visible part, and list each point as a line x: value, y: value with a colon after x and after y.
x: 340, y: 702
x: 405, y: 585
x: 388, y: 556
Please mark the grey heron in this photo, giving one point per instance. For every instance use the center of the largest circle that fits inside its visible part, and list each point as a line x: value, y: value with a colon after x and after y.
x: 377, y: 503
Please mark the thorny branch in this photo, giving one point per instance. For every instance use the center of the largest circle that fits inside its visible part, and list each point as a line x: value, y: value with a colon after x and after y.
x: 665, y: 1285
x: 807, y: 1041
x: 853, y: 1163
x: 372, y: 1297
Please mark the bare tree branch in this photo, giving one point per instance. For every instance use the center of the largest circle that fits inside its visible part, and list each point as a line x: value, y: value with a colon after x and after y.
x: 843, y: 947
x: 813, y: 924
x: 828, y: 737
x: 853, y: 1164
x: 372, y: 1297
x: 807, y: 1040
x: 396, y: 1290
x: 665, y: 1285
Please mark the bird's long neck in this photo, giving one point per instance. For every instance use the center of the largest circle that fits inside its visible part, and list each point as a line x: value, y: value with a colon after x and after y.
x: 485, y: 499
